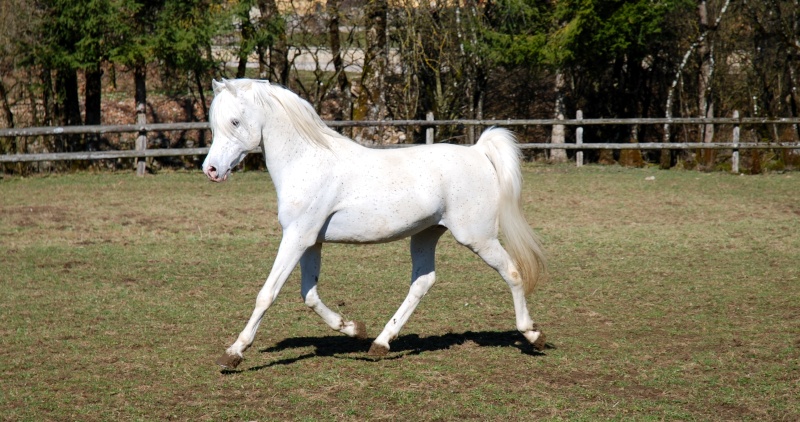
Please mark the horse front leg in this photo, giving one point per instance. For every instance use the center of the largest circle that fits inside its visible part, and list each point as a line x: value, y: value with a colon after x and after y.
x: 310, y: 265
x: 289, y: 253
x: 423, y: 275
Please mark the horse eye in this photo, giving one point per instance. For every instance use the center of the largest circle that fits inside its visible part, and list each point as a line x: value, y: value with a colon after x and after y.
x: 235, y: 122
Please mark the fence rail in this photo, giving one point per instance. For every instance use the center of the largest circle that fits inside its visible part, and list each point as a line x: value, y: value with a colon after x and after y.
x: 164, y: 127
x: 178, y: 152
x: 579, y: 145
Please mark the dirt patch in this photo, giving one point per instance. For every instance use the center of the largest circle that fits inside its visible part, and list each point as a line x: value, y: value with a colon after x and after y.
x: 34, y: 215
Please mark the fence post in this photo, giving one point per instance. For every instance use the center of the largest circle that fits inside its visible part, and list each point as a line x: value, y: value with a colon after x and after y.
x: 141, y: 139
x: 735, y: 155
x: 429, y: 131
x: 579, y: 139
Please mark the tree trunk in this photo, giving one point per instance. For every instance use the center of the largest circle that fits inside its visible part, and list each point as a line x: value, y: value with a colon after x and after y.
x: 558, y: 137
x: 793, y: 52
x: 666, y: 154
x: 279, y: 52
x: 246, y: 33
x: 632, y: 157
x: 7, y: 112
x: 140, y: 98
x: 6, y: 144
x: 47, y: 99
x: 477, y: 102
x: 794, y: 100
x: 69, y: 111
x: 371, y: 103
x: 93, y: 96
x: 343, y: 83
x: 49, y: 107
x: 68, y: 100
x: 199, y: 83
x: 705, y: 101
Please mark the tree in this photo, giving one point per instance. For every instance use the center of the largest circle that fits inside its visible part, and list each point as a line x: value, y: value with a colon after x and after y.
x: 182, y: 41
x: 12, y: 28
x: 71, y: 36
x: 772, y: 79
x: 135, y: 49
x: 58, y: 50
x: 262, y: 30
x: 612, y: 49
x: 370, y: 103
x: 439, y: 67
x: 333, y: 9
x: 704, y: 45
x: 273, y: 60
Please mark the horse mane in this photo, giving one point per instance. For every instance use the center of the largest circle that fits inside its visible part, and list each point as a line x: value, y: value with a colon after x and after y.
x: 302, y: 115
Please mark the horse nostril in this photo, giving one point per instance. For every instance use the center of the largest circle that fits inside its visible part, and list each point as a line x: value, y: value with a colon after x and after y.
x: 212, y: 172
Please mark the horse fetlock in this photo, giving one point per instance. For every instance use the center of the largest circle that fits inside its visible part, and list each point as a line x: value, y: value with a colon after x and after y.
x: 532, y: 335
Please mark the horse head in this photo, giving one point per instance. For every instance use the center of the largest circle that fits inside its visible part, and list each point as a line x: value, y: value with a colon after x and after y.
x: 235, y: 126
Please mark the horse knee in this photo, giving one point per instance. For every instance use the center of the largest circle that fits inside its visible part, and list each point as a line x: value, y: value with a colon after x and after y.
x: 310, y: 296
x: 515, y: 282
x: 421, y: 285
x: 311, y: 300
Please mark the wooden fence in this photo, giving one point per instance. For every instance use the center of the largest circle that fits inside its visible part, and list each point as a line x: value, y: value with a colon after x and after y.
x: 142, y: 129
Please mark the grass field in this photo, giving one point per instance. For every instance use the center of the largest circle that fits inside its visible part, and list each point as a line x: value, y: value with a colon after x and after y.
x: 676, y: 298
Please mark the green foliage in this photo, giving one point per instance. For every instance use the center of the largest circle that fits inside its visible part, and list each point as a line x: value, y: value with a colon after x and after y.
x: 136, y: 25
x: 516, y: 31
x: 84, y: 33
x: 601, y: 30
x: 74, y: 34
x: 184, y: 32
x: 260, y: 34
x: 556, y: 34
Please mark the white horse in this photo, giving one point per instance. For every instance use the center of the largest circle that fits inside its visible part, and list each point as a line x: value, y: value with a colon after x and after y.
x: 331, y: 189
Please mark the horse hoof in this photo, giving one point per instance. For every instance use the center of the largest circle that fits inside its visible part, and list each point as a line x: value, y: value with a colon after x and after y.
x: 227, y: 361
x: 378, y: 350
x: 540, y: 343
x: 360, y: 330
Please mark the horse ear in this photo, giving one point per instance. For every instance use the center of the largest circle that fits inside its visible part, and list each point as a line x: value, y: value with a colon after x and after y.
x: 217, y: 86
x: 230, y: 86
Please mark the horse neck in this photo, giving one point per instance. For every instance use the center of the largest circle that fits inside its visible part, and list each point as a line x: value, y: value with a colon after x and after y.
x: 287, y: 153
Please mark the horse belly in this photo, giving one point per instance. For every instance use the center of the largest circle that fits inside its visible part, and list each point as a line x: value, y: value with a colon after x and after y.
x: 362, y: 225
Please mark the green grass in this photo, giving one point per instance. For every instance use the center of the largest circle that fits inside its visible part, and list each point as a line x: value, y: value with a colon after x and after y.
x: 675, y: 298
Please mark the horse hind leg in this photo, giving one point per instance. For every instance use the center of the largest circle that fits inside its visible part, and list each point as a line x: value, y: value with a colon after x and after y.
x: 310, y: 265
x: 497, y: 257
x: 423, y: 275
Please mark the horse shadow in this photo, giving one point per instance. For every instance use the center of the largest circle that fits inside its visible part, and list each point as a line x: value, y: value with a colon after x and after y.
x: 342, y: 347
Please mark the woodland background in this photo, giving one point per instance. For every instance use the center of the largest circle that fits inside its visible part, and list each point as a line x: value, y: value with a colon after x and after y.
x: 90, y: 62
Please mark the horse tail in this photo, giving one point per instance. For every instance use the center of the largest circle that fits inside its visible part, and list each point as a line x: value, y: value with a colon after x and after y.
x: 522, y: 243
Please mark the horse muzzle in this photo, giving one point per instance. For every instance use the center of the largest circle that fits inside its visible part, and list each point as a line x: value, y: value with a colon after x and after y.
x: 215, y: 175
